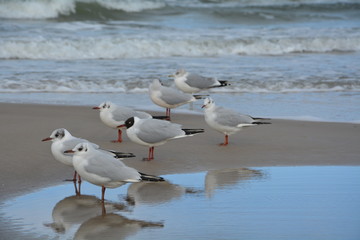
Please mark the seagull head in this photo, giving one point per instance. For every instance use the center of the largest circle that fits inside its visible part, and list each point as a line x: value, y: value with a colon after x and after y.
x: 80, y: 148
x: 178, y: 73
x: 104, y: 106
x: 57, y: 135
x: 208, y: 102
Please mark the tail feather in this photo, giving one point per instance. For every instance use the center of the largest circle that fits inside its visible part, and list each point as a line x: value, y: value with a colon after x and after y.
x: 151, y: 178
x: 192, y: 131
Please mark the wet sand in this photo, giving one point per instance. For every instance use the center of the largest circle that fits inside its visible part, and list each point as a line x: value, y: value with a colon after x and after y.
x: 27, y: 163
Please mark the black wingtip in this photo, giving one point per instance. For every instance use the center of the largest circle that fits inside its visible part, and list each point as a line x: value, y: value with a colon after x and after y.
x: 161, y: 117
x: 261, y: 119
x: 260, y: 123
x: 200, y: 96
x: 123, y: 155
x: 151, y: 178
x: 224, y: 83
x: 192, y: 131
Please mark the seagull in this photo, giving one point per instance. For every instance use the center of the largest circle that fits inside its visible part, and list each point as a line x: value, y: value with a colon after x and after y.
x: 193, y: 83
x: 227, y: 121
x: 113, y: 115
x: 101, y: 169
x: 155, y: 132
x: 63, y: 140
x: 168, y: 97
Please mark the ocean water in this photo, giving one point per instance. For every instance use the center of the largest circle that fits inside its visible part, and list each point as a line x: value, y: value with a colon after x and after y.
x: 284, y: 58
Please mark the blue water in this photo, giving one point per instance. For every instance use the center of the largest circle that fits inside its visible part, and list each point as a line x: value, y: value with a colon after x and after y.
x: 288, y: 59
x: 262, y: 203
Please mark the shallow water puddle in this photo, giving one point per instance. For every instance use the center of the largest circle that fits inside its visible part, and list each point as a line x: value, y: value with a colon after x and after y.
x: 262, y: 203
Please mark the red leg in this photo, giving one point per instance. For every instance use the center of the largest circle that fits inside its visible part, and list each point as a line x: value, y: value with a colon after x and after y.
x: 168, y: 114
x: 75, y: 176
x: 151, y: 154
x: 119, y: 140
x: 79, y: 177
x: 226, y: 141
x: 103, y: 194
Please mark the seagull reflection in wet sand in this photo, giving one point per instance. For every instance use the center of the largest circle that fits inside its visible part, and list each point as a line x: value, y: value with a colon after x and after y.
x: 220, y: 179
x: 76, y: 209
x: 156, y: 193
x: 112, y: 226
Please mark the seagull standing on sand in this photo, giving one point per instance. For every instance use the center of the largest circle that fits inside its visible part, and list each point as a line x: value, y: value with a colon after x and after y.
x: 168, y: 97
x: 113, y: 116
x: 154, y: 132
x: 62, y: 140
x: 227, y: 121
x: 103, y: 170
x: 193, y: 83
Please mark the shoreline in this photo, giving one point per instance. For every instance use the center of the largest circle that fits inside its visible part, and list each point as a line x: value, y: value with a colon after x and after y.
x: 27, y: 163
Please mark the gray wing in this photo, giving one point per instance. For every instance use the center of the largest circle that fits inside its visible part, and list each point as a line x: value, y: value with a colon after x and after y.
x: 172, y: 96
x: 231, y: 118
x: 106, y: 166
x: 201, y: 82
x: 141, y: 115
x: 123, y: 113
x: 153, y: 130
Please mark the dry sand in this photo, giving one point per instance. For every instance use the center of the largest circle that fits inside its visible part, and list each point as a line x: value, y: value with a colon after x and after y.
x: 27, y: 163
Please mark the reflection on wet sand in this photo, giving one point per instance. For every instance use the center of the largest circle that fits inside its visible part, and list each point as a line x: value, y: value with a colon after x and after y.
x: 112, y: 226
x: 220, y: 179
x: 77, y: 209
x: 155, y: 193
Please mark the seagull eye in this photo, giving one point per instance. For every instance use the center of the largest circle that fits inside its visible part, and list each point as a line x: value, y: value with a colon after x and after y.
x: 80, y: 149
x: 57, y: 135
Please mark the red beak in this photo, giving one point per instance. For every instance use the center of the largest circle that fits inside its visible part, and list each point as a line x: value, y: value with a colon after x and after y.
x: 121, y: 126
x: 46, y: 139
x: 69, y: 151
x: 96, y: 108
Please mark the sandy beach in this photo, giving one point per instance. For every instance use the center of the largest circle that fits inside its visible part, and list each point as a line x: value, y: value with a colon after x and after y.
x: 27, y: 163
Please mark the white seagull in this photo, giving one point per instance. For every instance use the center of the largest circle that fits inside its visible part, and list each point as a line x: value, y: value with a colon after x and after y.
x: 193, y: 83
x: 113, y: 115
x: 227, y: 121
x: 103, y: 170
x: 155, y: 132
x: 168, y: 97
x: 62, y: 140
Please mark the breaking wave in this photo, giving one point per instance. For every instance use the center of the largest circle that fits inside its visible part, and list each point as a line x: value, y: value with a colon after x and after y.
x: 114, y: 9
x: 120, y: 48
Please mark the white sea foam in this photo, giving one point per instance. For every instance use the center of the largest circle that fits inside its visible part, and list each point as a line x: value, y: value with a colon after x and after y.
x: 36, y: 9
x: 117, y: 47
x: 42, y: 9
x: 128, y: 5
